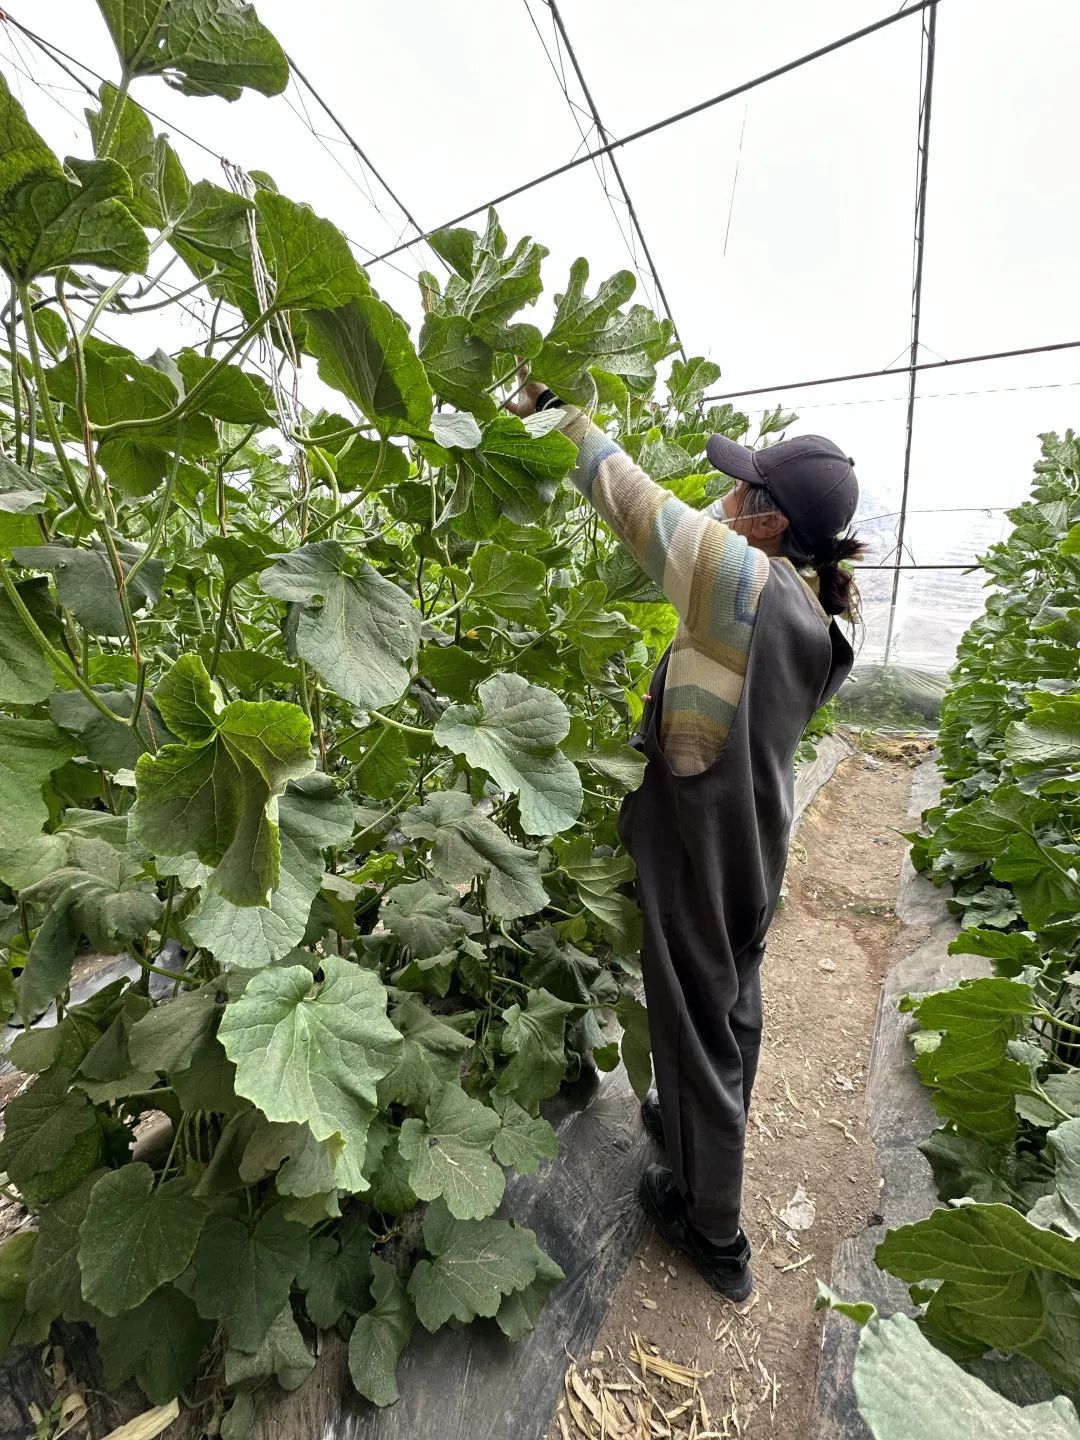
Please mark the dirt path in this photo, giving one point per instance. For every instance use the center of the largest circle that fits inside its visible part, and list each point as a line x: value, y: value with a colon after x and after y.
x: 829, y: 948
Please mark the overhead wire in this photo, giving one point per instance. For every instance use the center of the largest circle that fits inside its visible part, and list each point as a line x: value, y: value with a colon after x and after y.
x: 742, y: 89
x: 928, y: 50
x: 604, y: 135
x: 559, y: 71
x: 895, y: 370
x: 941, y: 395
x: 358, y: 149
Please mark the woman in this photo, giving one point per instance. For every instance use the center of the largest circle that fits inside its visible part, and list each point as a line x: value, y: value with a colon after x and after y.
x: 756, y: 581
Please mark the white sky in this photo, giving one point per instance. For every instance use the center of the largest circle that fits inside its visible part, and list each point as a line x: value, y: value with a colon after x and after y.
x: 456, y: 103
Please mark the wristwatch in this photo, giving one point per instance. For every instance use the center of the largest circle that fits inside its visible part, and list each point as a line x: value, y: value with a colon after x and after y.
x: 547, y: 400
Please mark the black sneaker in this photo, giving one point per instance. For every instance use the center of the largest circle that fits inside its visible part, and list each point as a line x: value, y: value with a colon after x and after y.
x: 651, y: 1117
x: 725, y: 1267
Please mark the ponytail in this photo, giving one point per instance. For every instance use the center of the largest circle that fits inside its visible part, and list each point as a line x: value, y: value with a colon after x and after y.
x: 837, y: 590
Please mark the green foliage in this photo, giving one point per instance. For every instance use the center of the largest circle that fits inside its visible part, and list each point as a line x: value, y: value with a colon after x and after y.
x: 1000, y: 1053
x: 325, y: 715
x: 906, y: 1389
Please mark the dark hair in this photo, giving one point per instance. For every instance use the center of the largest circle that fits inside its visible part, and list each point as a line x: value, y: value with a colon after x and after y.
x: 837, y: 591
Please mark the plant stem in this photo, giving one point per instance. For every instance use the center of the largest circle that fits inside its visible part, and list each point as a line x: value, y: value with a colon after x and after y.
x: 163, y: 929
x: 400, y: 725
x: 168, y: 417
x: 219, y: 629
x: 45, y: 404
x: 328, y: 524
x: 16, y: 377
x: 452, y: 609
x: 108, y: 130
x: 166, y: 504
x: 60, y: 660
x: 1065, y: 1114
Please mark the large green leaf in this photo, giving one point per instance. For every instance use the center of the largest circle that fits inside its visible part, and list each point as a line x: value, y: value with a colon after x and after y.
x: 25, y: 675
x: 214, y: 795
x: 568, y: 973
x: 468, y: 844
x: 1062, y: 1208
x: 101, y: 896
x: 594, y: 331
x: 535, y: 1040
x: 313, y: 1051
x: 449, y: 1155
x: 337, y: 1276
x: 168, y: 1036
x: 51, y: 1138
x: 1046, y: 878
x: 688, y: 381
x: 513, y: 734
x: 432, y: 1053
x: 243, y: 1275
x: 137, y: 1234
x: 380, y: 1336
x: 453, y: 670
x: 523, y: 1139
x: 967, y: 1168
x: 615, y: 762
x: 634, y: 1047
x: 202, y: 47
x: 519, y: 1312
x: 908, y: 1390
x: 490, y: 286
x: 308, y: 257
x: 282, y: 1354
x: 312, y: 816
x: 51, y: 218
x: 474, y: 1264
x: 512, y: 474
x: 458, y: 363
x: 213, y: 238
x: 21, y: 493
x: 16, y: 1256
x: 357, y: 629
x: 977, y: 1018
x: 1005, y: 1282
x: 597, y: 879
x: 159, y: 1344
x: 1049, y: 736
x: 104, y: 742
x: 364, y: 351
x: 594, y: 632
x: 425, y: 919
x: 233, y: 395
x: 160, y: 189
x: 54, y: 1284
x: 510, y: 585
x: 85, y: 584
x: 30, y: 750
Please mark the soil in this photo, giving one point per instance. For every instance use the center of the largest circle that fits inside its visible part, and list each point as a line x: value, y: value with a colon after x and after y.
x: 830, y: 946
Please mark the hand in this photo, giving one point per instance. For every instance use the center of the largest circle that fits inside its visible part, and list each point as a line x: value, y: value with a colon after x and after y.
x: 529, y: 391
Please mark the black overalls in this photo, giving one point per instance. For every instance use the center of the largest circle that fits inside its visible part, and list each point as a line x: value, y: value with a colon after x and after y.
x: 710, y: 851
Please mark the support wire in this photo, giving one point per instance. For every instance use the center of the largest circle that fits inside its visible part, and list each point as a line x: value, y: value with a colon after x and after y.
x: 923, y: 172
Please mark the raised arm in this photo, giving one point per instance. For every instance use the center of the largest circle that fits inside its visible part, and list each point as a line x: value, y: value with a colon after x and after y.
x: 711, y: 575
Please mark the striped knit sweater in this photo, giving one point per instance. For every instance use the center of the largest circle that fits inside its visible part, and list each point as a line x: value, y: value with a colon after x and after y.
x: 710, y: 574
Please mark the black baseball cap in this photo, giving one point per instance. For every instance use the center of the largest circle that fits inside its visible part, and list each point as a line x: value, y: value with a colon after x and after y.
x: 811, y: 480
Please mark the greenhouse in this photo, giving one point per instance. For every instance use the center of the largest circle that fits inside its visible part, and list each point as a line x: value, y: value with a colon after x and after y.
x: 533, y: 902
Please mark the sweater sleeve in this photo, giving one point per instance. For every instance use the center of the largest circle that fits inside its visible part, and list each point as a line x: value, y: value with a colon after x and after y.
x: 709, y: 573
